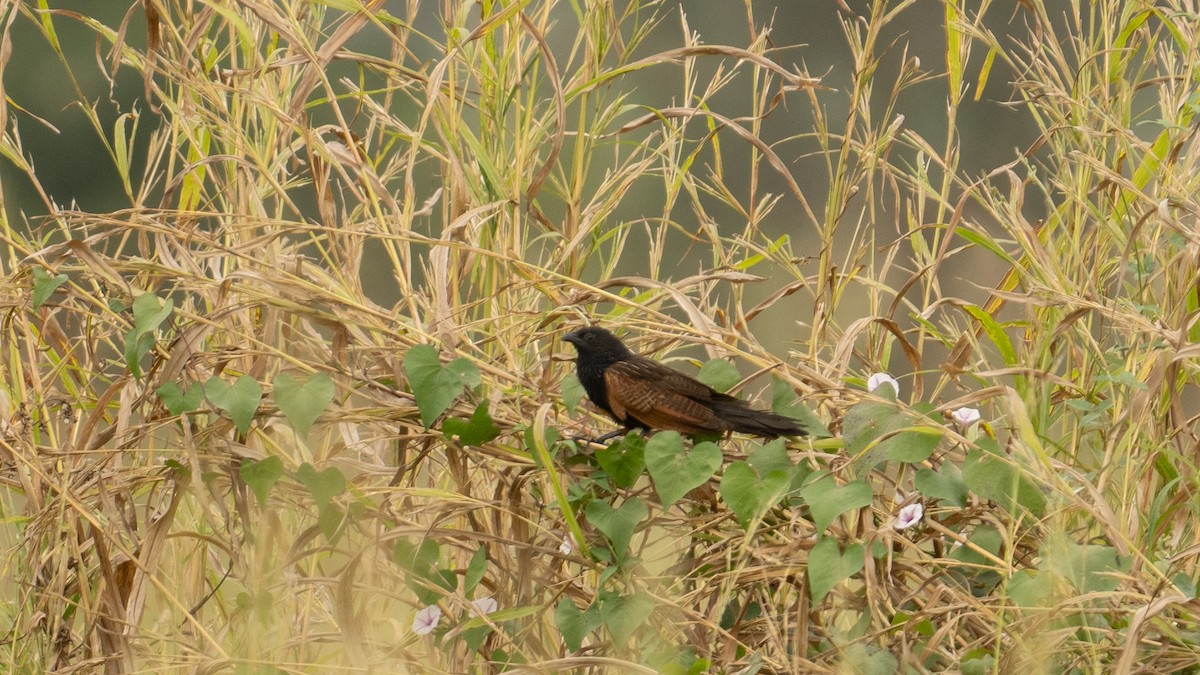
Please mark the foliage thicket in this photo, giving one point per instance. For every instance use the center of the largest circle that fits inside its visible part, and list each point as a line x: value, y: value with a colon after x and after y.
x: 307, y: 384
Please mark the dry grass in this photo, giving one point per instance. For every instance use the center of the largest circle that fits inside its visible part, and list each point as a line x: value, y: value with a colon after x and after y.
x: 317, y: 188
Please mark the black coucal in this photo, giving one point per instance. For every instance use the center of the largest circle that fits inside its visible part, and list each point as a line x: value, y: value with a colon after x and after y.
x: 640, y: 393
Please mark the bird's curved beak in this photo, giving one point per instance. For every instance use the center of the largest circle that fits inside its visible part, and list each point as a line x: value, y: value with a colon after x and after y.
x: 572, y: 337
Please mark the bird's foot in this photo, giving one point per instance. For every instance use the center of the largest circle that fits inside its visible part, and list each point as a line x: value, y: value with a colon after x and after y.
x: 603, y: 439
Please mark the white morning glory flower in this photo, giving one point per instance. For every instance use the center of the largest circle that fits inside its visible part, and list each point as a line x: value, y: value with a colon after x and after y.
x: 966, y: 416
x: 909, y: 515
x: 485, y: 605
x: 426, y: 620
x: 877, y: 379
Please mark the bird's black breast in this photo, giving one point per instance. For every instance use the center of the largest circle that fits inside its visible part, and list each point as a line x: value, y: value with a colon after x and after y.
x: 590, y: 372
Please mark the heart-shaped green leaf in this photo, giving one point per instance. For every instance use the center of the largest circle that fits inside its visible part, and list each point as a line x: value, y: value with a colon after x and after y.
x: 413, y: 556
x: 1031, y: 588
x: 572, y: 393
x: 676, y: 471
x: 1091, y: 568
x: 1184, y: 583
x: 906, y: 436
x: 302, y: 402
x: 261, y: 605
x: 946, y: 484
x: 135, y: 349
x: 624, y: 460
x: 149, y: 311
x: 436, y: 386
x: 240, y: 399
x: 429, y: 591
x: 719, y: 374
x: 329, y: 520
x: 984, y: 537
x: 574, y: 623
x: 980, y: 661
x: 828, y: 501
x: 178, y: 401
x: 475, y: 570
x: 773, y: 456
x: 420, y: 560
x: 475, y: 431
x: 44, y: 286
x: 868, y: 660
x: 737, y: 491
x: 750, y: 496
x: 828, y: 566
x: 770, y: 456
x: 261, y: 476
x: 473, y: 636
x: 623, y: 614
x: 617, y: 524
x: 323, y: 485
x: 992, y: 476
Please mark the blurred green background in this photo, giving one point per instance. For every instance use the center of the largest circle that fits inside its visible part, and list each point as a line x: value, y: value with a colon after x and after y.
x: 76, y: 169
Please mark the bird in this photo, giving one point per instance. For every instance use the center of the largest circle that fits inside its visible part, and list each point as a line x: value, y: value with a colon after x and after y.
x: 640, y: 393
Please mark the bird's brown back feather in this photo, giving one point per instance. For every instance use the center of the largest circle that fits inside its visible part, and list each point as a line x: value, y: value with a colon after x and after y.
x: 660, y: 398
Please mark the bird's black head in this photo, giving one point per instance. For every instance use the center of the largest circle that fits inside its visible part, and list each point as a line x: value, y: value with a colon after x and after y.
x: 594, y: 341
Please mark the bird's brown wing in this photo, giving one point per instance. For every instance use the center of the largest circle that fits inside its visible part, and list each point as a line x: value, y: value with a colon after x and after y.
x: 659, y: 397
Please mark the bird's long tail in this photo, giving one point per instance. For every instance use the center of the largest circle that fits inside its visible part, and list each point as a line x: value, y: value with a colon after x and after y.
x: 742, y: 418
